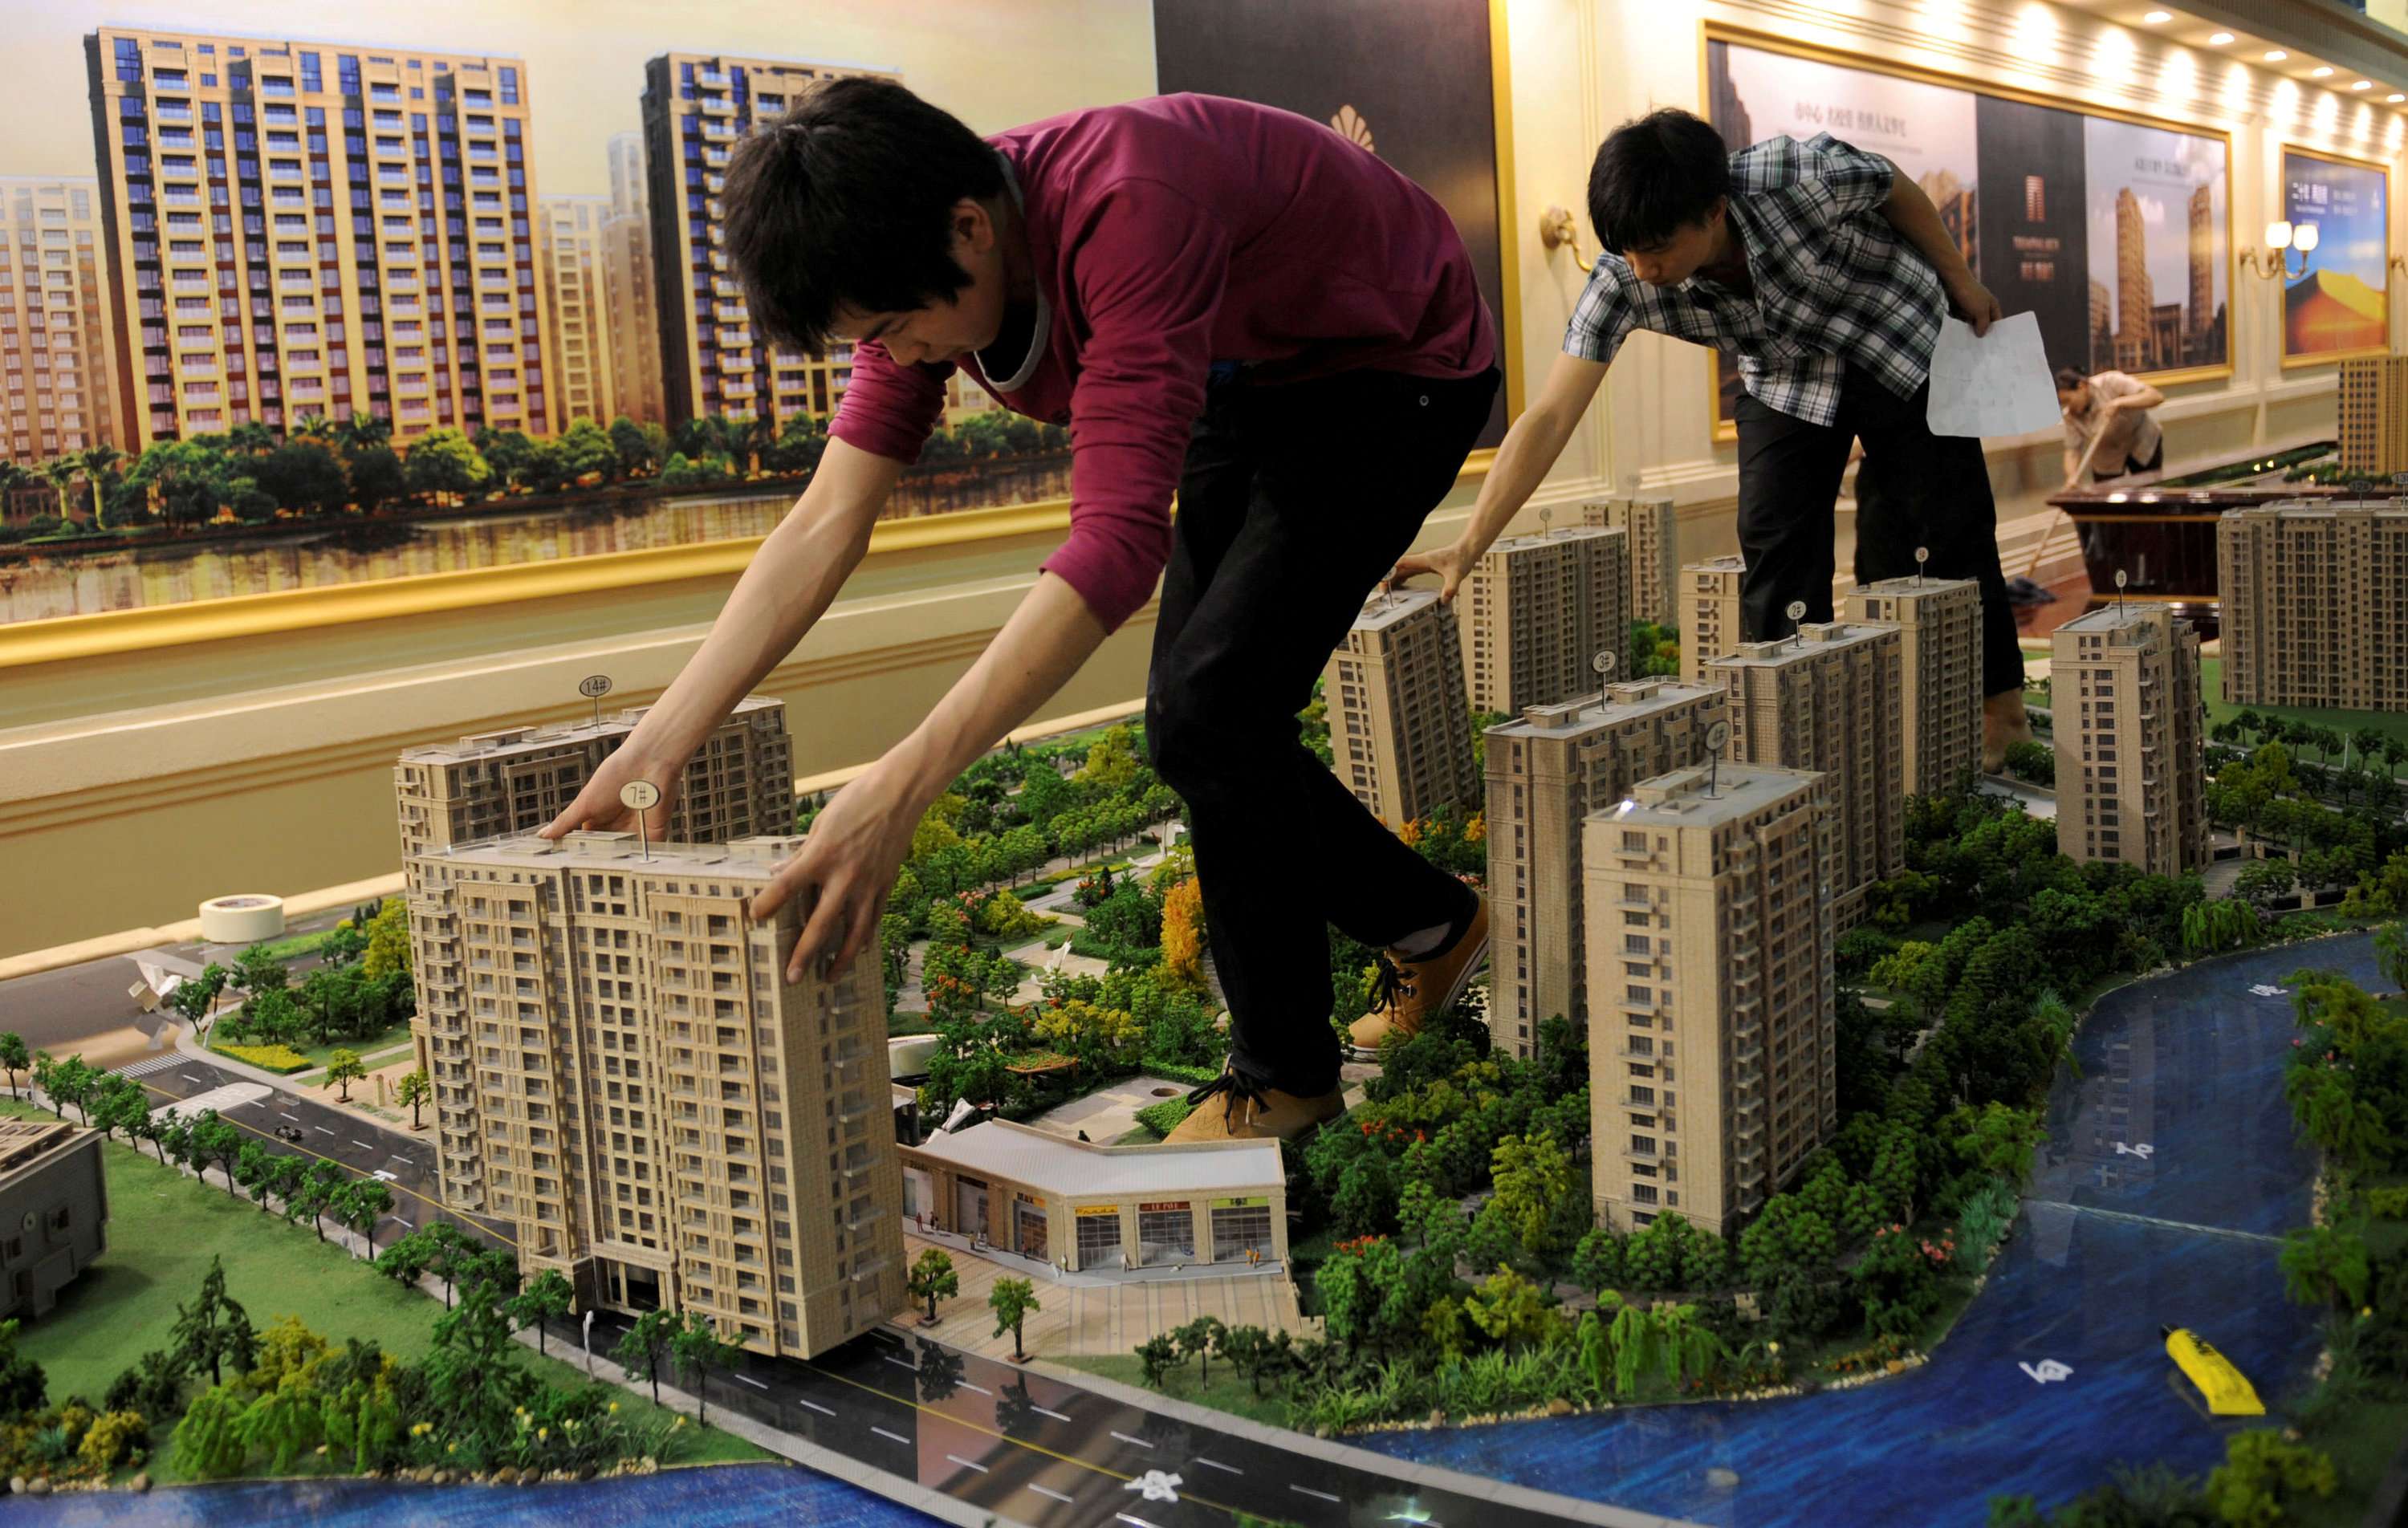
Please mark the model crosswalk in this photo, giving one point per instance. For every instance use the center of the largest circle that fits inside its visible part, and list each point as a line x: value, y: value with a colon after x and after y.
x: 156, y: 1063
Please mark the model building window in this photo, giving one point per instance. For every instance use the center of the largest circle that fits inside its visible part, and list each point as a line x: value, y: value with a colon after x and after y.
x: 1099, y: 1236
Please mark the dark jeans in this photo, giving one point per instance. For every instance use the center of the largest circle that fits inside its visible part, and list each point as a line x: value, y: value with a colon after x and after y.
x: 1914, y: 489
x: 2132, y: 464
x: 1295, y: 502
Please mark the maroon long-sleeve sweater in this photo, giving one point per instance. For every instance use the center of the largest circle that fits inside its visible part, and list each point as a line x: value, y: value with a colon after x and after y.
x: 1168, y: 234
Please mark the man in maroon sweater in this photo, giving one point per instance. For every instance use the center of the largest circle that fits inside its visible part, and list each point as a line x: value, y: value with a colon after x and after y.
x: 1215, y: 298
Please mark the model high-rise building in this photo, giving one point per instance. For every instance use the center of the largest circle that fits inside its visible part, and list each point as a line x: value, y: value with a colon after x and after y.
x: 739, y: 784
x: 2135, y: 298
x: 1547, y: 771
x: 2374, y: 415
x: 1712, y: 1060
x: 2130, y: 775
x: 659, y: 1114
x: 1939, y: 623
x: 56, y: 335
x: 299, y: 228
x: 1399, y: 725
x: 633, y: 307
x: 1539, y: 609
x: 1654, y: 528
x: 695, y: 107
x: 1712, y: 624
x: 2202, y: 272
x: 2314, y: 604
x: 1829, y: 699
x: 577, y: 334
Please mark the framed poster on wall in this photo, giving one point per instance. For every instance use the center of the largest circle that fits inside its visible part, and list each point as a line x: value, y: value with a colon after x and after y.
x: 2342, y: 306
x: 2116, y: 230
x: 1437, y: 110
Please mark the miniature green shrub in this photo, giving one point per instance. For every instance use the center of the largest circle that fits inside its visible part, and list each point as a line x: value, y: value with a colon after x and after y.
x: 2032, y: 763
x: 1164, y: 1117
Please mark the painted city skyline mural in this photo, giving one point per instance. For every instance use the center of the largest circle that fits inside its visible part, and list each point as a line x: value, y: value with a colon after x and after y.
x: 2115, y: 233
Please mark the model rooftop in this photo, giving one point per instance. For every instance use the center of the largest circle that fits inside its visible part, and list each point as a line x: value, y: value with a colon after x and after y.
x: 763, y: 853
x: 1704, y: 795
x: 1551, y: 538
x: 1001, y: 1149
x: 1814, y: 636
x: 1388, y: 610
x: 2131, y: 623
x: 26, y: 1143
x: 1624, y: 702
x: 490, y: 745
x: 2319, y: 508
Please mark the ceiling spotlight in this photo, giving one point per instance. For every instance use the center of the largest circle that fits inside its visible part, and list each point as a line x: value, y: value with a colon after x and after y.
x: 2395, y: 98
x: 2275, y: 55
x: 2320, y: 72
x: 2158, y: 18
x: 2219, y: 39
x: 2363, y: 84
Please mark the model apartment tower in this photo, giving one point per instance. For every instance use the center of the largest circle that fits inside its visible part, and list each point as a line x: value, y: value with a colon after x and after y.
x: 1829, y: 699
x: 2374, y: 416
x: 2314, y: 598
x: 1399, y: 726
x: 1710, y: 623
x: 1654, y: 529
x: 1713, y: 1061
x: 660, y: 1116
x: 1540, y: 608
x: 739, y: 784
x: 1939, y: 623
x: 2130, y: 775
x: 1547, y: 771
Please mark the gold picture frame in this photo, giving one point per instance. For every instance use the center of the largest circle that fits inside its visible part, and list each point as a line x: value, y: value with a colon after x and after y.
x: 2283, y: 179
x: 1711, y: 32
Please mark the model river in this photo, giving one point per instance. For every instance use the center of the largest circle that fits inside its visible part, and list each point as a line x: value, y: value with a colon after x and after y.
x: 2169, y: 1175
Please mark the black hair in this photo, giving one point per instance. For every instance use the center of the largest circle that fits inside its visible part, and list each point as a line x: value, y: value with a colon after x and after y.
x: 1656, y: 176
x: 2072, y: 380
x: 847, y: 200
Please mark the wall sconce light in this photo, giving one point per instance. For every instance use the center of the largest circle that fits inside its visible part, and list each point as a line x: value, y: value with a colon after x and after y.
x: 1556, y: 227
x: 2281, y: 240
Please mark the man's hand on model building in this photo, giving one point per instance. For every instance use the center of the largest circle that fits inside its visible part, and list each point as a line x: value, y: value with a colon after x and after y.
x: 1448, y: 562
x: 839, y: 879
x: 1970, y: 300
x: 597, y: 808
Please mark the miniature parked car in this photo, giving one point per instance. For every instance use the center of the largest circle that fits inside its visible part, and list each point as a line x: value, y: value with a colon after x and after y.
x: 289, y: 1132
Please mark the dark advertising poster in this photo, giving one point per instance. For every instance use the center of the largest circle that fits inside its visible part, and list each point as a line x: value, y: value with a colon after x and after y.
x: 2341, y: 306
x: 2034, y: 232
x: 1407, y: 79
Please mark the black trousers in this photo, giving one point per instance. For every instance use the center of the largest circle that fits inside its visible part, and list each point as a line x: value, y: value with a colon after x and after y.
x: 1295, y: 502
x: 1914, y: 489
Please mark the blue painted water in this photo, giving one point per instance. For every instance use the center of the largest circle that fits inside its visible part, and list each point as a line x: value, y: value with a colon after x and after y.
x: 723, y: 1496
x: 2185, y: 1075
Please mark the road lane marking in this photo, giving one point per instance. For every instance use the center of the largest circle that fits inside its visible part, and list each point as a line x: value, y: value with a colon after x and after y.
x: 321, y: 1130
x: 967, y: 1385
x: 899, y: 1364
x: 1047, y: 1491
x: 405, y: 1222
x: 896, y: 1437
x: 190, y: 1077
x: 823, y: 1412
x: 749, y: 1381
x: 1139, y: 1441
x: 1048, y: 1411
x: 1215, y: 1464
x: 1323, y: 1494
x: 362, y: 1144
x: 1139, y: 1521
x: 966, y: 1463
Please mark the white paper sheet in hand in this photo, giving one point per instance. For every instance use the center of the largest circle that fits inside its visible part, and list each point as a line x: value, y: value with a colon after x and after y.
x: 1997, y: 384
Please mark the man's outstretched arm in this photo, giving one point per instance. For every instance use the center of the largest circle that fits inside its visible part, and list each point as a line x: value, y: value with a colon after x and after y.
x: 1911, y: 213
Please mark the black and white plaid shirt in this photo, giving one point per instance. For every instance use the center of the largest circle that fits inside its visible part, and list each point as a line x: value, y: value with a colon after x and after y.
x: 1836, y: 285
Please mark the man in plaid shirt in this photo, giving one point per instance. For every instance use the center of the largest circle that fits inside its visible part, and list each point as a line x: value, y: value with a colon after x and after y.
x: 1827, y: 272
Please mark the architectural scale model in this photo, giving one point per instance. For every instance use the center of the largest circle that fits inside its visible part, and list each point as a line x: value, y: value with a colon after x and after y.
x: 54, y: 1211
x: 1399, y: 723
x: 1939, y: 623
x: 1652, y: 526
x: 54, y: 326
x: 663, y: 1120
x: 2374, y: 415
x: 1830, y: 699
x: 2130, y: 773
x: 1713, y: 1070
x: 1536, y: 609
x: 1547, y: 771
x: 2314, y: 597
x: 1710, y: 624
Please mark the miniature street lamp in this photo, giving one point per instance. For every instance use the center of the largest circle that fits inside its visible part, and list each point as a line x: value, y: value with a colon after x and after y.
x: 1545, y: 518
x: 594, y: 687
x: 641, y: 796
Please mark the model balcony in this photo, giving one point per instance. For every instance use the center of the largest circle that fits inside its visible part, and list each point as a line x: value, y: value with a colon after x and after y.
x: 715, y: 132
x: 734, y: 338
x: 717, y: 105
x: 172, y: 113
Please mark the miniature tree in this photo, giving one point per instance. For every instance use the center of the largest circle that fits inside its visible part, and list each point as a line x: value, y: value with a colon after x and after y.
x: 316, y: 1195
x: 932, y: 1279
x: 1200, y: 1339
x: 1248, y: 1349
x: 216, y: 1143
x: 286, y: 1176
x: 250, y: 1167
x: 213, y: 1330
x: 551, y: 1294
x: 13, y: 1056
x: 643, y: 1346
x: 23, y: 1385
x: 454, y: 1256
x: 1013, y: 1300
x: 700, y: 1348
x: 358, y: 1205
x: 1183, y: 933
x: 413, y: 1090
x: 1533, y: 1180
x: 1157, y: 1353
x: 344, y: 1069
x: 406, y: 1260
x: 197, y: 998
x: 256, y: 971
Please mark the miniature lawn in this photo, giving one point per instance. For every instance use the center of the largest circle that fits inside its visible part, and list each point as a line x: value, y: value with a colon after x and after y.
x: 390, y: 1039
x: 2211, y: 685
x: 1228, y: 1392
x: 163, y: 1230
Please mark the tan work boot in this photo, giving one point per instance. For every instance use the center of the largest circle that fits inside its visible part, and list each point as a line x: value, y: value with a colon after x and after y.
x: 2003, y: 725
x: 1231, y: 1108
x: 1407, y: 992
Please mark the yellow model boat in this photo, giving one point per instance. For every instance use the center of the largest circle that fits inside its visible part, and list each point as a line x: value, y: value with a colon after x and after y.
x: 2228, y: 1390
